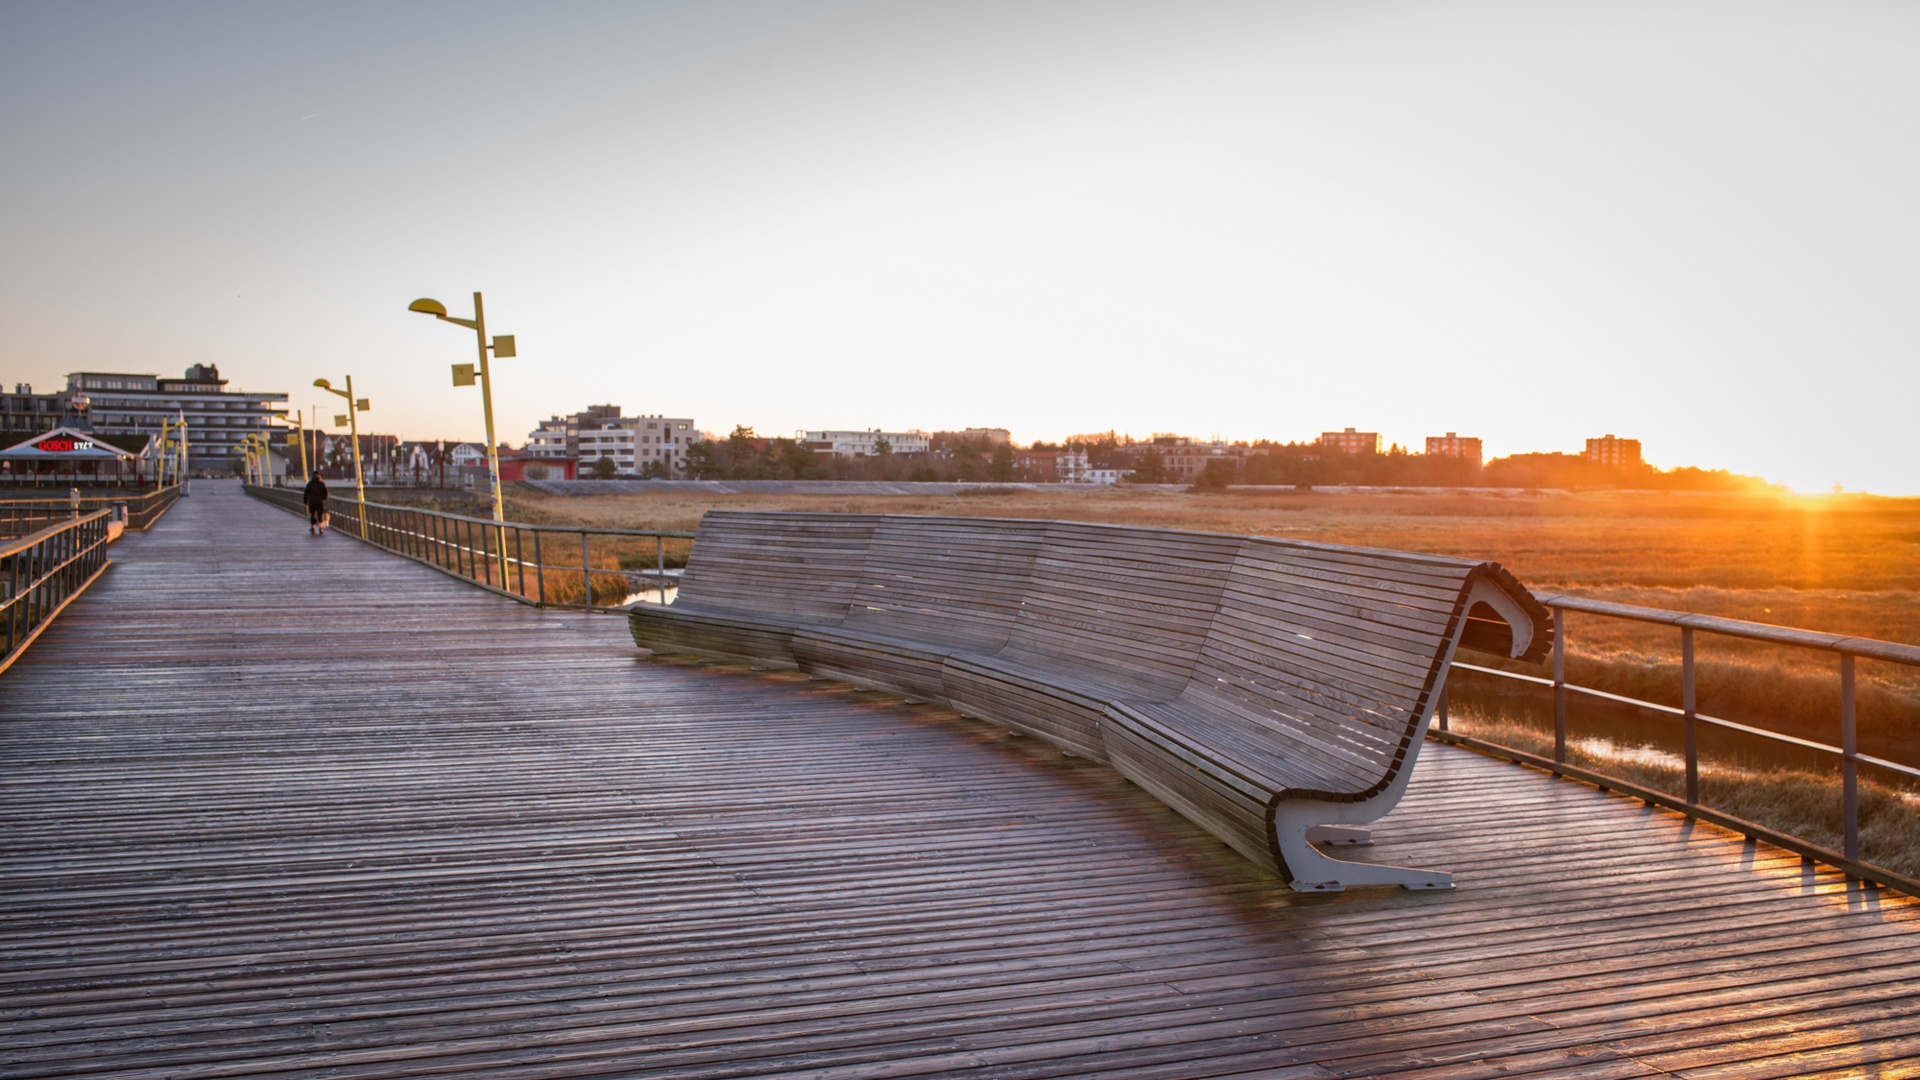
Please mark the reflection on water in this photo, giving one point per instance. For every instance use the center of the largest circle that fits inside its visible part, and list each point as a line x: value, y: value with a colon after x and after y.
x: 652, y: 596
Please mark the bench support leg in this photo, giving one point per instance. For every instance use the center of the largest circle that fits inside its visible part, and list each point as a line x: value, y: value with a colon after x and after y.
x: 1311, y: 870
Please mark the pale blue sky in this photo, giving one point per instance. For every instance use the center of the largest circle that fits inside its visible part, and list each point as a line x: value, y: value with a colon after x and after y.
x: 1690, y: 223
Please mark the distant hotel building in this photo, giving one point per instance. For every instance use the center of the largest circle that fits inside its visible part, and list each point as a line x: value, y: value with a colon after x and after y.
x: 1351, y: 441
x: 218, y: 419
x: 1608, y: 450
x: 1451, y: 445
x: 860, y: 444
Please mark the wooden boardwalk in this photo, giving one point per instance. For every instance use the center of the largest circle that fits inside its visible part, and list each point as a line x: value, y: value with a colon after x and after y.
x: 279, y: 806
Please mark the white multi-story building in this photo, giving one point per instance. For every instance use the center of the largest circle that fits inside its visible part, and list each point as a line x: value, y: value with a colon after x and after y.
x: 218, y: 419
x: 632, y: 442
x: 859, y: 444
x: 635, y: 442
x: 1106, y: 476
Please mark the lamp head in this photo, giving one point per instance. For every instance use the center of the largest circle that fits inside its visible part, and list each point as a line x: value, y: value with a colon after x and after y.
x: 323, y: 384
x: 429, y: 307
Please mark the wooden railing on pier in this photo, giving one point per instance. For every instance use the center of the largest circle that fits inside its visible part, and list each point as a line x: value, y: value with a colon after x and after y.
x: 533, y: 564
x: 41, y: 574
x: 19, y: 516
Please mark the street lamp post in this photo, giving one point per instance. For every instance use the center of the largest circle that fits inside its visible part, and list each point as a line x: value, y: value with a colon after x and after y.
x: 355, y: 406
x: 463, y: 375
x: 300, y: 432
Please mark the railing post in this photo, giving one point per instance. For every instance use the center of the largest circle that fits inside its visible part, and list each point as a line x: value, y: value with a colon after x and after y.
x: 660, y: 566
x: 539, y: 568
x: 586, y: 576
x: 1689, y: 724
x: 1849, y: 762
x: 1559, y: 685
x: 519, y: 561
x: 1440, y: 710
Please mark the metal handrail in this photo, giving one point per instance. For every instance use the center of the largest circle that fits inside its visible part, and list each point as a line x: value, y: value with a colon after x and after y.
x: 43, y: 572
x: 1847, y: 647
x: 476, y: 550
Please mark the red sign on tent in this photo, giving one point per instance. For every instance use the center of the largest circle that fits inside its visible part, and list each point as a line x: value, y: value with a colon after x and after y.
x: 61, y: 444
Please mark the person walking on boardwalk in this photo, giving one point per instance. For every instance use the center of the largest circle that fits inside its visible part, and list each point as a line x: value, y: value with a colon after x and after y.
x: 316, y: 499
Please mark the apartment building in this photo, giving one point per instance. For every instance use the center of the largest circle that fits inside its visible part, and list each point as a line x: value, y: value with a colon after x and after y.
x: 30, y: 413
x: 559, y: 436
x: 1455, y: 446
x: 1184, y: 458
x: 1350, y: 441
x: 1608, y: 450
x: 218, y: 418
x: 632, y: 442
x: 860, y: 444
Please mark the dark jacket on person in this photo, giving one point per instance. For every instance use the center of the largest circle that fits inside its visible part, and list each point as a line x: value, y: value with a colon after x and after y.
x: 316, y: 493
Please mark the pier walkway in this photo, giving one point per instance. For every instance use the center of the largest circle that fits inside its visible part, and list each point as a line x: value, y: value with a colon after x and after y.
x: 292, y: 807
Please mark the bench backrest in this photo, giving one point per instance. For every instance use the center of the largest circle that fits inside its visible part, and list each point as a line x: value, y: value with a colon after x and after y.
x: 1134, y: 604
x: 1336, y: 650
x: 805, y: 565
x: 945, y: 580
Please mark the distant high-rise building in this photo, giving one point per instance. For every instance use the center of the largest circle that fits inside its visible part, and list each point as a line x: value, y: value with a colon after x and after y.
x: 1608, y: 450
x: 1456, y: 446
x: 1351, y: 441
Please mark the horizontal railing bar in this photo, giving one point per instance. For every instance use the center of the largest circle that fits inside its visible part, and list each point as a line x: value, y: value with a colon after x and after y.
x: 19, y: 544
x: 1809, y: 744
x: 492, y: 524
x: 1870, y: 648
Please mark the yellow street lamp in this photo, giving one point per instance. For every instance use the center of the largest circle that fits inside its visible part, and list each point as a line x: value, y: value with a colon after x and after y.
x: 355, y: 406
x: 463, y: 375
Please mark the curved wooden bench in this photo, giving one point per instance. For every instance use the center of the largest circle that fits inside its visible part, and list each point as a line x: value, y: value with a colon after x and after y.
x: 1275, y: 692
x: 930, y: 587
x: 752, y: 579
x: 1311, y: 697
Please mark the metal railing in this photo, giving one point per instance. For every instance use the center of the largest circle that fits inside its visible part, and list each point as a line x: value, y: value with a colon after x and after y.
x: 41, y: 574
x: 140, y: 509
x: 1843, y: 648
x: 533, y: 564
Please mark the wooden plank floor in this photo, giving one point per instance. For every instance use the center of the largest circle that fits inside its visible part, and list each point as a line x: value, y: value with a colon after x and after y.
x: 272, y: 805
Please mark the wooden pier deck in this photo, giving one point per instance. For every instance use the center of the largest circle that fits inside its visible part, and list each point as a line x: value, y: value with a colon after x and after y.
x: 277, y: 806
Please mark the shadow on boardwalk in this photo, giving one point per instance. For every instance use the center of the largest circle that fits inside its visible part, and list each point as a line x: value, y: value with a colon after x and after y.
x: 276, y: 804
